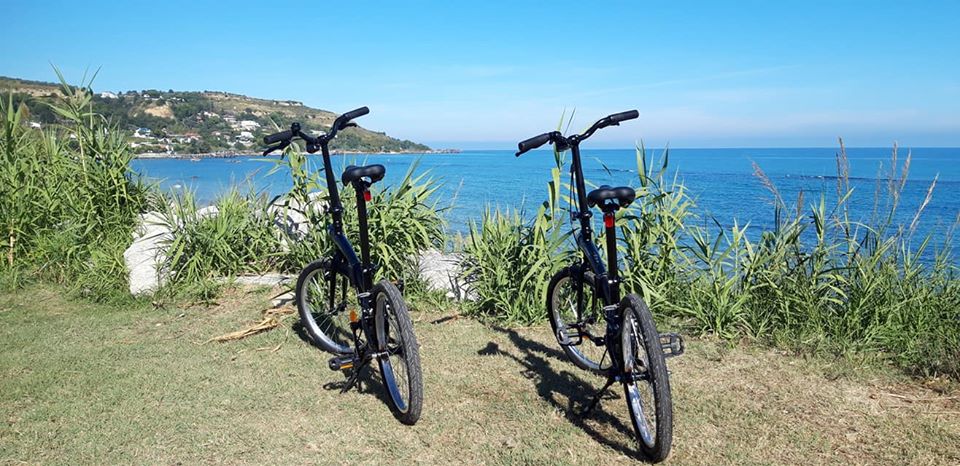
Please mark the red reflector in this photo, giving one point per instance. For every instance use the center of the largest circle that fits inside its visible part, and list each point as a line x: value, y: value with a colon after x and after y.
x: 367, y: 196
x: 608, y: 220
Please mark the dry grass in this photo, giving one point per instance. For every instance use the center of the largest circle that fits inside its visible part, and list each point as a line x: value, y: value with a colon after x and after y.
x: 91, y: 384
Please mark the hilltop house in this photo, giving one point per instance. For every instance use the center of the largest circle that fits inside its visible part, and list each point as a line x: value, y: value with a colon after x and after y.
x: 143, y: 133
x: 249, y: 125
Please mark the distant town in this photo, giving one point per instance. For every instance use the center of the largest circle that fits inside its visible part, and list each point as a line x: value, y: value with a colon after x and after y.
x: 208, y: 123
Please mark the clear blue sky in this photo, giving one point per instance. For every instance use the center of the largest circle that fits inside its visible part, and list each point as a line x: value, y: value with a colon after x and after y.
x: 486, y: 74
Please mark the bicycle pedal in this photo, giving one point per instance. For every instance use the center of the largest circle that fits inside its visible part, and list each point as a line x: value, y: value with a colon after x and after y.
x: 672, y: 344
x: 567, y: 339
x: 340, y: 363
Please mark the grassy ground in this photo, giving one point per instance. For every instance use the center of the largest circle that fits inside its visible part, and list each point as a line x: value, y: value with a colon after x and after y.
x: 90, y: 384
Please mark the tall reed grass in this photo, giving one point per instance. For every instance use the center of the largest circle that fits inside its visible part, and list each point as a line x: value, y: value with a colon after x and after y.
x: 68, y: 203
x: 818, y: 281
x: 251, y: 234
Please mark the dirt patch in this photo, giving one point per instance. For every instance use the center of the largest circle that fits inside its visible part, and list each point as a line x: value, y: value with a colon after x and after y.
x: 162, y: 111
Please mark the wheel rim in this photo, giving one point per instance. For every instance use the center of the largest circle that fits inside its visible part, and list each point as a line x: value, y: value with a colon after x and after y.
x: 564, y: 309
x: 394, y: 366
x: 639, y: 388
x: 329, y: 320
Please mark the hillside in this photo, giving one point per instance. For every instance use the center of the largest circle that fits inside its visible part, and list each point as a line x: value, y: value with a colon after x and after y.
x: 175, y: 122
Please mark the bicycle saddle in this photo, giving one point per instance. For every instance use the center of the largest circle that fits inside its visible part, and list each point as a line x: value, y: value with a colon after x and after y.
x: 354, y: 173
x: 623, y: 194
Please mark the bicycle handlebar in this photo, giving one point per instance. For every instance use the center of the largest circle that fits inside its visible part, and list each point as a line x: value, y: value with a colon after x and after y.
x: 313, y: 143
x: 616, y: 118
x: 342, y: 121
x: 564, y: 143
x: 277, y: 137
x: 533, y: 143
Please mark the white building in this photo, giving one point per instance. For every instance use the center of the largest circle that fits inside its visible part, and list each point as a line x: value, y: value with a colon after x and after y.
x: 249, y: 125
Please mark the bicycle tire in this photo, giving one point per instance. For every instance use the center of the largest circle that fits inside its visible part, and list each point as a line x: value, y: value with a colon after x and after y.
x: 639, y: 332
x: 401, y: 368
x: 325, y: 318
x: 561, y: 303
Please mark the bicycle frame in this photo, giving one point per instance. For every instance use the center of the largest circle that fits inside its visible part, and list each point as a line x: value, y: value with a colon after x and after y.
x: 359, y: 269
x: 608, y: 280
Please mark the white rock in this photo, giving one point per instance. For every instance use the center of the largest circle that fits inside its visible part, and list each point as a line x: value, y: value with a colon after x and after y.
x: 147, y: 253
x: 290, y: 218
x: 443, y: 272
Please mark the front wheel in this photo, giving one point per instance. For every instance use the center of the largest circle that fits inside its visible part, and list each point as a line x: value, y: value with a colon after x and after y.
x: 324, y: 305
x: 578, y: 323
x: 400, y: 366
x: 645, y: 382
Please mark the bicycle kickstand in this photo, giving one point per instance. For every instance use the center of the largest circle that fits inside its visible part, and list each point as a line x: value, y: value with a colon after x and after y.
x: 596, y: 398
x: 354, y: 378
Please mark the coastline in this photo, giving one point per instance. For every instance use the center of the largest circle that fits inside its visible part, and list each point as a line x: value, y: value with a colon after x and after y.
x: 233, y: 154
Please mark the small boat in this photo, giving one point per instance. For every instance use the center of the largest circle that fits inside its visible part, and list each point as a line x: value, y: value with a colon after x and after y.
x: 194, y: 159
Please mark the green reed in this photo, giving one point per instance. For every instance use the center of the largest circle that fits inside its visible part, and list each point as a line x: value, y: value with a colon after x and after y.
x: 818, y: 281
x: 68, y: 205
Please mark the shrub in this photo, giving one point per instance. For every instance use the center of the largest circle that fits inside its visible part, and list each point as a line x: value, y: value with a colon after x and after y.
x: 403, y: 219
x: 234, y: 236
x: 68, y: 203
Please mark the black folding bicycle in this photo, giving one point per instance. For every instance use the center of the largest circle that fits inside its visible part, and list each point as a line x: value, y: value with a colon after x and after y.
x: 629, y: 349
x: 382, y: 330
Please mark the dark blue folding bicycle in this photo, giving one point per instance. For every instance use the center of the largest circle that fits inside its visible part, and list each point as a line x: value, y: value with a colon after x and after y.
x: 382, y: 331
x: 628, y: 349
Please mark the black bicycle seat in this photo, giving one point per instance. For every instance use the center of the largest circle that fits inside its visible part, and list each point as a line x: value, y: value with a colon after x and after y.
x: 354, y: 173
x: 623, y: 194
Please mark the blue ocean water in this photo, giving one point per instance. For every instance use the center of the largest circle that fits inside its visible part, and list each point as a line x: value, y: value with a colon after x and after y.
x: 721, y: 180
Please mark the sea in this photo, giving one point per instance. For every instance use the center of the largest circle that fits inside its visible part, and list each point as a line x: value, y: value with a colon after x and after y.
x: 723, y: 182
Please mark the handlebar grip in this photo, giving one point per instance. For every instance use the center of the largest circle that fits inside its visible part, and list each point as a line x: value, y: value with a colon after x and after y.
x: 355, y: 114
x: 277, y: 137
x: 342, y: 120
x: 533, y: 143
x: 623, y: 116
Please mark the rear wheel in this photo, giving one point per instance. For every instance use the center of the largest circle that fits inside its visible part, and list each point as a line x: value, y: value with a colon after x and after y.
x: 578, y: 328
x: 324, y: 304
x: 400, y: 368
x: 646, y: 383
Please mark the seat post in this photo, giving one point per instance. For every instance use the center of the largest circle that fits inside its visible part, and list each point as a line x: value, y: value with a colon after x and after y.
x: 610, y: 233
x: 361, y: 188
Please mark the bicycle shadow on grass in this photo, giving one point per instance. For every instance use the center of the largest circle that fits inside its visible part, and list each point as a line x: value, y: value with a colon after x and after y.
x: 369, y: 383
x: 552, y: 386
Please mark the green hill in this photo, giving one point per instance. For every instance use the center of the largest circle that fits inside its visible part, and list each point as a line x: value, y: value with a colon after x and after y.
x: 177, y: 122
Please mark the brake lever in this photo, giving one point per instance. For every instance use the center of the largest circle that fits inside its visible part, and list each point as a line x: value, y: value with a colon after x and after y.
x: 280, y: 146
